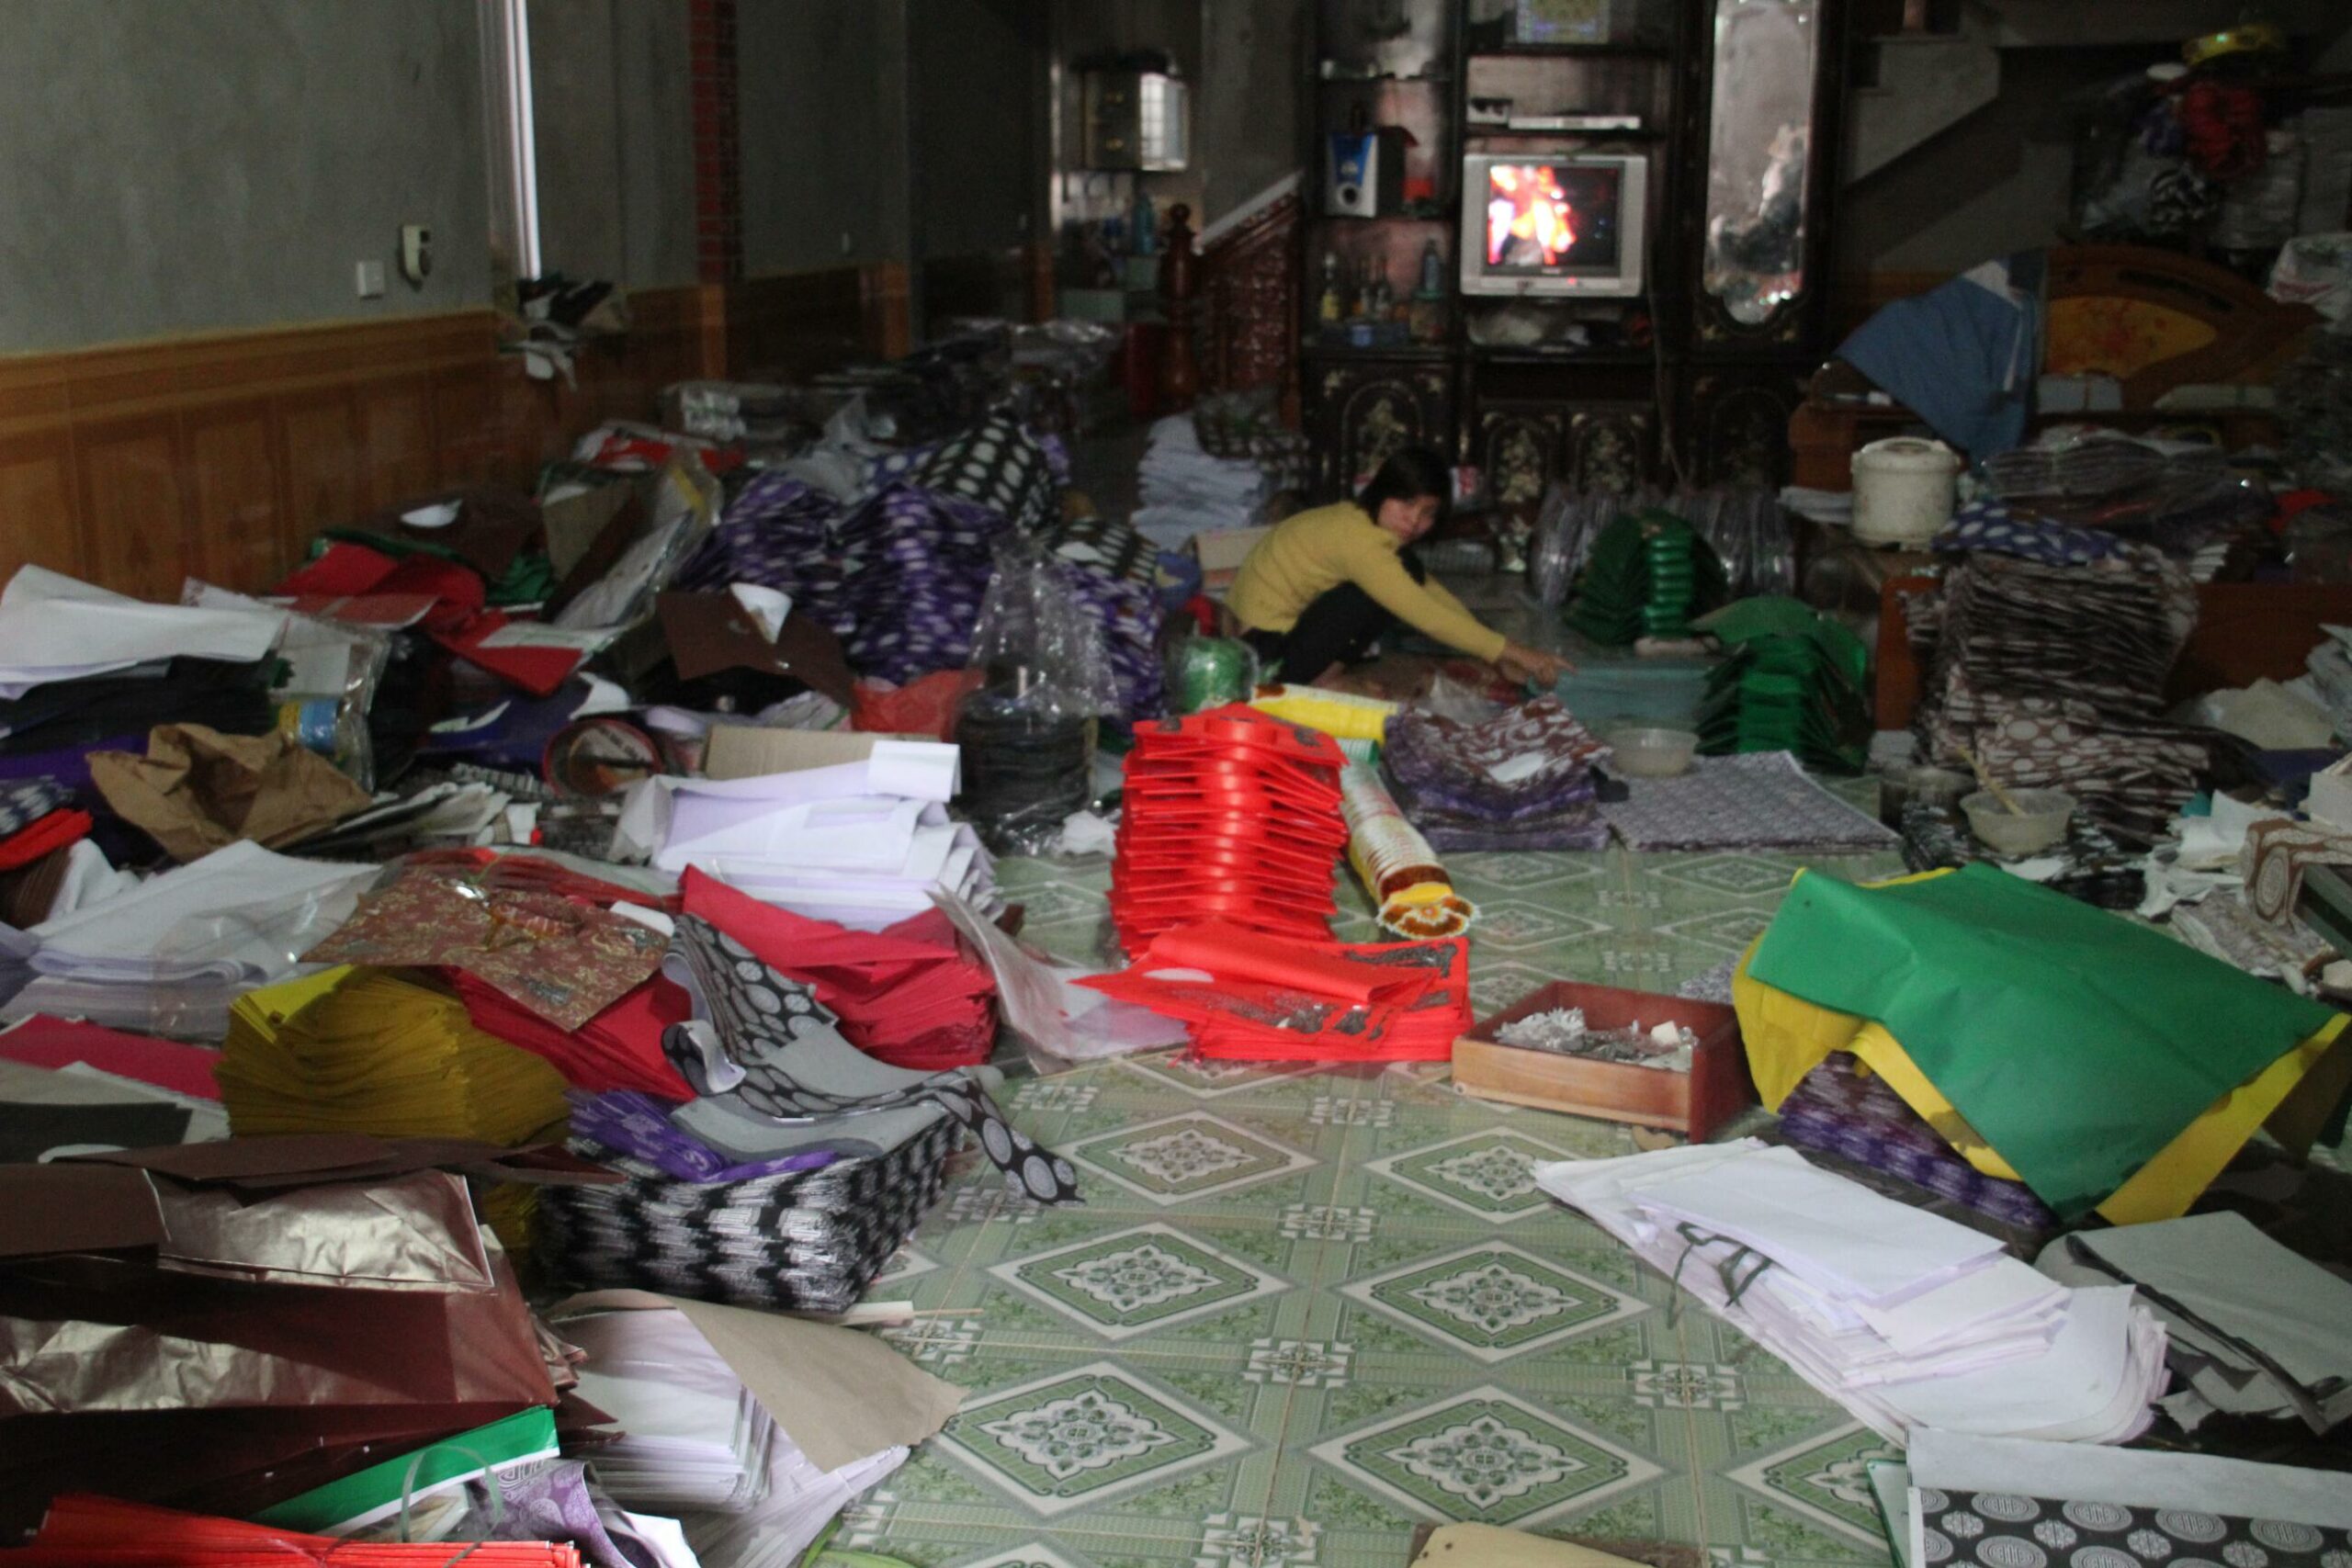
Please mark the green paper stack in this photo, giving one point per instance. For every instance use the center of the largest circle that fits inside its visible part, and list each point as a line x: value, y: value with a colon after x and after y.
x: 1648, y: 573
x: 1795, y: 681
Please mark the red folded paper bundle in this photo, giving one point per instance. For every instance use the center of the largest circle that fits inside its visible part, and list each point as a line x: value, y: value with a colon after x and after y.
x: 1229, y: 814
x: 1248, y: 996
x: 912, y: 995
x: 618, y: 1048
x: 82, y: 1531
x: 52, y: 833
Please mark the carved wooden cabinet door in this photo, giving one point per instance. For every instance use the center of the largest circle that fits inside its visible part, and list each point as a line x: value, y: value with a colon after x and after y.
x: 1519, y: 448
x: 1736, y: 429
x: 1365, y: 408
x: 1613, y: 447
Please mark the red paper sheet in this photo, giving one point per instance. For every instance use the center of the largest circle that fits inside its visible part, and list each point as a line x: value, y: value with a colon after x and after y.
x: 82, y: 1531
x: 46, y: 836
x: 910, y: 994
x: 53, y: 1042
x: 1303, y: 1000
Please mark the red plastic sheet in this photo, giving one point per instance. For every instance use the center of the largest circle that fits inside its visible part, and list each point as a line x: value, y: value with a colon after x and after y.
x: 82, y: 1531
x: 1230, y: 816
x: 1250, y: 997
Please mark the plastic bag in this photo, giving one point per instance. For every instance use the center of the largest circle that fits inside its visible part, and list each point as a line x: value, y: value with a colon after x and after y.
x: 925, y: 705
x: 1036, y: 640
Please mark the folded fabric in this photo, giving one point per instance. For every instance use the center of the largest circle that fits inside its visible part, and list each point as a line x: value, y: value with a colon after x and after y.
x: 2273, y: 859
x: 1761, y: 800
x: 196, y: 789
x: 2109, y: 1068
x: 51, y: 833
x: 56, y: 1042
x: 564, y: 961
x: 765, y: 1044
x: 911, y: 993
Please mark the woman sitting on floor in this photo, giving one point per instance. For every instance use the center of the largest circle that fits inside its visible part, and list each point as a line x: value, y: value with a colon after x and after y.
x: 1317, y: 591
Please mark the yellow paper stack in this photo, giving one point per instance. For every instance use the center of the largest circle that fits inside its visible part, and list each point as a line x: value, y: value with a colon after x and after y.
x: 352, y: 1049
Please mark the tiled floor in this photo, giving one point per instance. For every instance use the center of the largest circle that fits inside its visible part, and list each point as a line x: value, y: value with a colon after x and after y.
x: 1303, y: 1312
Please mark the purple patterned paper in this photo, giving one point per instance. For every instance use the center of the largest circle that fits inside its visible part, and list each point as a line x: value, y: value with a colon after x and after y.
x: 639, y: 1125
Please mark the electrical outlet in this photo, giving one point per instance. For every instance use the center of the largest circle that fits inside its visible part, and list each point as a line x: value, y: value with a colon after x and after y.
x: 367, y: 277
x: 416, y: 253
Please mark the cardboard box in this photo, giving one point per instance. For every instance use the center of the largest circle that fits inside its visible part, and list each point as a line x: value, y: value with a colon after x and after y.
x: 1221, y: 552
x: 1693, y: 1103
x: 748, y: 751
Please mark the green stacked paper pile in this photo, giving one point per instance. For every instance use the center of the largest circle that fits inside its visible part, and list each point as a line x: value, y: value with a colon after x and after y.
x: 1793, y: 681
x: 1648, y: 575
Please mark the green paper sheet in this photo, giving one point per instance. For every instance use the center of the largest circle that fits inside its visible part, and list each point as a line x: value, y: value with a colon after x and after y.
x: 2079, y: 1044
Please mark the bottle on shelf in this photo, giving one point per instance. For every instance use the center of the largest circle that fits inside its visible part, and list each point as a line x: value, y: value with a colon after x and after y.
x: 1432, y: 280
x: 1329, y: 307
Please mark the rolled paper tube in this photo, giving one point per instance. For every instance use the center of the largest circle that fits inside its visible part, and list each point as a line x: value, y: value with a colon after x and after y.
x: 1343, y: 715
x: 1398, y: 868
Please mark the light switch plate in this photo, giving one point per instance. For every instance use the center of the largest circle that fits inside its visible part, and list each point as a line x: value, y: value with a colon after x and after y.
x: 367, y: 277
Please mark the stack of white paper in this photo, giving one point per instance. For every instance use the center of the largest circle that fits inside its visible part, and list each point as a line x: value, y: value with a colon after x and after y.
x: 864, y: 843
x: 1187, y: 492
x: 170, y: 955
x: 707, y: 1399
x: 1906, y: 1319
x: 2254, y: 1328
x: 54, y: 627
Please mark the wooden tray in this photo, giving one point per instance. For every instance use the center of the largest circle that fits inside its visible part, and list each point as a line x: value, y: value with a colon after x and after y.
x: 1693, y: 1103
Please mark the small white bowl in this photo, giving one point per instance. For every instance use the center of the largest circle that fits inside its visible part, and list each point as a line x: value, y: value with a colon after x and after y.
x: 1652, y: 754
x: 2039, y: 822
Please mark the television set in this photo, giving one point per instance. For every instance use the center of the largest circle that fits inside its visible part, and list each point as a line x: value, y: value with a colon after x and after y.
x: 1561, y: 225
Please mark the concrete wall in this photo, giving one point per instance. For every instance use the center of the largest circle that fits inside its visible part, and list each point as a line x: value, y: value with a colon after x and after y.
x: 822, y: 90
x: 172, y: 168
x: 1254, y: 98
x: 977, y: 74
x: 611, y: 85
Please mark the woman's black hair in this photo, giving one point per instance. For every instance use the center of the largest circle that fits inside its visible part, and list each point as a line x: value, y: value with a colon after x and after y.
x: 1409, y: 474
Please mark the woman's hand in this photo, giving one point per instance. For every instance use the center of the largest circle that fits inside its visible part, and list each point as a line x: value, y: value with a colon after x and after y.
x: 1530, y: 666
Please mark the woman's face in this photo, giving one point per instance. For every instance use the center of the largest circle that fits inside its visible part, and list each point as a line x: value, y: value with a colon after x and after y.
x: 1409, y: 520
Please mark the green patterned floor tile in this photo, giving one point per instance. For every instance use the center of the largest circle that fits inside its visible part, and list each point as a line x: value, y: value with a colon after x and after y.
x: 1302, y: 1311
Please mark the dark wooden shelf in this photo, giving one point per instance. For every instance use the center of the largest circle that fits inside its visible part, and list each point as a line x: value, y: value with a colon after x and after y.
x: 1415, y: 353
x: 1568, y: 50
x: 1444, y: 81
x: 1489, y: 133
x: 1587, y: 356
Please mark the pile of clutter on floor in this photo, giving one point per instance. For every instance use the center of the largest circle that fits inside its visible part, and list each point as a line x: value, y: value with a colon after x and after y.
x: 485, y: 1013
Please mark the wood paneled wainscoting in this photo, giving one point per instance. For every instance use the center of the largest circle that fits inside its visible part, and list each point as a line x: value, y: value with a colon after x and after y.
x: 137, y: 466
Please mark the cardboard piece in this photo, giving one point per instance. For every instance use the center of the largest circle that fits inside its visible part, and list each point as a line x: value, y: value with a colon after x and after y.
x: 76, y: 1208
x: 1221, y: 552
x: 197, y: 790
x: 748, y: 751
x: 709, y: 632
x: 841, y: 1395
x: 579, y: 523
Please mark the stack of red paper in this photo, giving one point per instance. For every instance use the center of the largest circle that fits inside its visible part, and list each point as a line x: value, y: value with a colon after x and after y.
x: 1229, y: 814
x: 910, y: 994
x: 618, y: 1048
x: 99, y: 1532
x: 1250, y: 997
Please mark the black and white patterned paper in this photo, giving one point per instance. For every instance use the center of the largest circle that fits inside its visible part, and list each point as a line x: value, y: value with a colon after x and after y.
x: 2002, y: 1529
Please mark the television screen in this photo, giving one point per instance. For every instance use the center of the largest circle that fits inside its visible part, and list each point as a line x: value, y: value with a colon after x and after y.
x: 1553, y: 217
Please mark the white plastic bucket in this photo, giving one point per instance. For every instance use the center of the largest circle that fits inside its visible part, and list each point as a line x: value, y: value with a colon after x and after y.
x: 1905, y: 490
